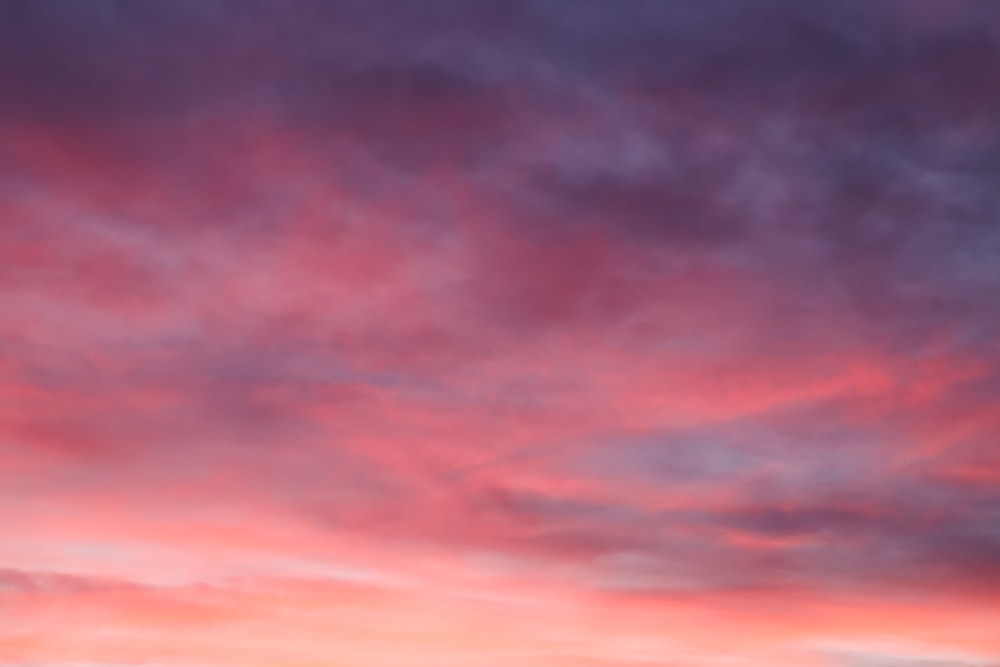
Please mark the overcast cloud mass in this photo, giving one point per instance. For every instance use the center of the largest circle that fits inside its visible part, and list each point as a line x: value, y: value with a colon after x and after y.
x: 536, y: 333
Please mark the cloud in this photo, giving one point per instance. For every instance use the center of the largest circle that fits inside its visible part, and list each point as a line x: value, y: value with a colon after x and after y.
x: 668, y: 310
x: 874, y: 659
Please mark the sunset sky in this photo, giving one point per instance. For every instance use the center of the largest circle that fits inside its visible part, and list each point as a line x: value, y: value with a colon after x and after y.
x: 499, y: 333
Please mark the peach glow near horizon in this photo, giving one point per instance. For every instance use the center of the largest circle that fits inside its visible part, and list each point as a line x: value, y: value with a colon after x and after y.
x: 375, y: 333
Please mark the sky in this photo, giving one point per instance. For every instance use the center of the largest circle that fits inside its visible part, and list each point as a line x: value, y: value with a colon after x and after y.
x: 482, y: 333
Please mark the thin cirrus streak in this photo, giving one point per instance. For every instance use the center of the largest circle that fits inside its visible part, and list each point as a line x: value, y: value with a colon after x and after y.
x: 499, y: 332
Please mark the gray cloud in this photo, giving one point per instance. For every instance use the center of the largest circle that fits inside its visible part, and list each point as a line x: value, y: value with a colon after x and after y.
x: 859, y: 658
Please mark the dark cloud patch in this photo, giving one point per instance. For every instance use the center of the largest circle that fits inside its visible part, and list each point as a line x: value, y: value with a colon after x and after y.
x: 821, y: 502
x: 784, y: 522
x: 408, y: 115
x: 783, y: 456
x: 421, y: 85
x: 904, y: 544
x: 679, y: 208
x: 106, y: 64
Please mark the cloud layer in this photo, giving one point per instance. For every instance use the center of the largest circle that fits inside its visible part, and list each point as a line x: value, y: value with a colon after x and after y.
x: 526, y: 332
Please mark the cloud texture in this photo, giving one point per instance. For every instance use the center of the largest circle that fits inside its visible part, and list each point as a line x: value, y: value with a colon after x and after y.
x: 482, y: 332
